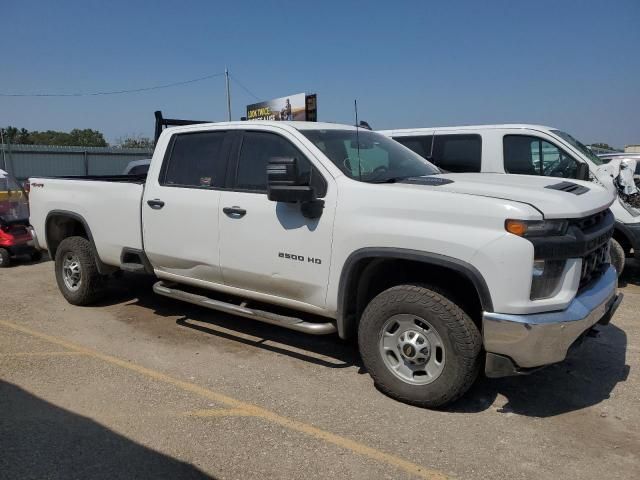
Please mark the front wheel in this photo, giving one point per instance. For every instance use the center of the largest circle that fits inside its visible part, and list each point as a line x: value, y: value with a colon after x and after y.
x: 418, y: 346
x: 77, y: 273
x: 617, y: 256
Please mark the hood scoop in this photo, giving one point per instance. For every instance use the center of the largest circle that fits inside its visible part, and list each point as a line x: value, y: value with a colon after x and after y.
x: 569, y: 187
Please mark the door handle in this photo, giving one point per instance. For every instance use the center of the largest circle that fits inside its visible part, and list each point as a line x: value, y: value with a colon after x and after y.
x: 236, y: 212
x: 156, y: 203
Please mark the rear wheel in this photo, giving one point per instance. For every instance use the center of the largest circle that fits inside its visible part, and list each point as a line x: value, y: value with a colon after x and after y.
x: 418, y: 346
x: 5, y: 258
x: 617, y: 256
x: 76, y: 272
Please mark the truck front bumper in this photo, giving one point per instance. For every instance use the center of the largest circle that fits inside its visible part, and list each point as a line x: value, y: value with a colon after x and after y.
x: 517, y: 344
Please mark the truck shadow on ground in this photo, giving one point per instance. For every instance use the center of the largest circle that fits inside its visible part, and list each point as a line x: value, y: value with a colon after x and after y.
x: 585, y: 379
x: 324, y: 350
x: 41, y: 440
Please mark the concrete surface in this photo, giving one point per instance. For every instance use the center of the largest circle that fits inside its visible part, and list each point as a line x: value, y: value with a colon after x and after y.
x: 144, y: 387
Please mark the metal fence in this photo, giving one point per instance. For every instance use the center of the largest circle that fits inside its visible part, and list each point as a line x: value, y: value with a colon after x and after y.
x: 25, y: 161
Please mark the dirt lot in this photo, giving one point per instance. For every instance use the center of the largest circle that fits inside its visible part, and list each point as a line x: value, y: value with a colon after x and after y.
x: 145, y: 387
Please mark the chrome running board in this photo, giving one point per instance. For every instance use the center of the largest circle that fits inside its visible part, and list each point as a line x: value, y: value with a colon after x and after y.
x: 292, y: 323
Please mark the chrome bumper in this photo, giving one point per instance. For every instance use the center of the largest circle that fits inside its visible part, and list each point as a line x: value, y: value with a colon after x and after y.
x: 530, y: 341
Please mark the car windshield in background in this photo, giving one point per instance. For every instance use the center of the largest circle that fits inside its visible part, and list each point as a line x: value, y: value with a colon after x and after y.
x: 575, y: 143
x: 369, y: 156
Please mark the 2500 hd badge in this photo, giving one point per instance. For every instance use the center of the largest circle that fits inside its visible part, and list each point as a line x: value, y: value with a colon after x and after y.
x: 299, y: 258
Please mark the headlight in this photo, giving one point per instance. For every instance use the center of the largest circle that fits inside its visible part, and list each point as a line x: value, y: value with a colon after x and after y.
x: 545, y: 278
x: 536, y: 228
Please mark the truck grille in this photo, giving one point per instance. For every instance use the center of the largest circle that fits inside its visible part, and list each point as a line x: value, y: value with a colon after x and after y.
x: 596, y: 259
x: 593, y: 265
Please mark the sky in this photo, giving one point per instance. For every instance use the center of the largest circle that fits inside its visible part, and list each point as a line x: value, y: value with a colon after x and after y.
x: 574, y: 65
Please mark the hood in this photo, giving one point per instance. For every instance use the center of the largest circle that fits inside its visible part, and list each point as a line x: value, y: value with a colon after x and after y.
x: 553, y: 197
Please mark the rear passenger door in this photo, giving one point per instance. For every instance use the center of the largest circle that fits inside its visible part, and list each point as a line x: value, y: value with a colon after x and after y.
x: 270, y: 247
x: 180, y: 210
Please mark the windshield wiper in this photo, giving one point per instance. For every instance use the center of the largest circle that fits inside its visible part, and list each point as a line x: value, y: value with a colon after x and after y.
x: 390, y: 180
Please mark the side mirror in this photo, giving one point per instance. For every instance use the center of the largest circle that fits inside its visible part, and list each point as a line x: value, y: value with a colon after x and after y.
x: 582, y: 172
x: 283, y: 182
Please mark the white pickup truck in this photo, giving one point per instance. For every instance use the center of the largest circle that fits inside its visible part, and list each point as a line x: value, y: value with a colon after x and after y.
x: 326, y: 228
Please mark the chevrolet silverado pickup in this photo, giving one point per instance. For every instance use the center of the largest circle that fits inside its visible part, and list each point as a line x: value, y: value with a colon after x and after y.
x: 325, y: 228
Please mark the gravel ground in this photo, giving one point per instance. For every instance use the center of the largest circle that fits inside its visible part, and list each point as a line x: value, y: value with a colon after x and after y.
x: 144, y: 387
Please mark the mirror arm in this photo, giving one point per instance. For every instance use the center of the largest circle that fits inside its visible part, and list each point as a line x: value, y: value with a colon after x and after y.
x: 312, y: 209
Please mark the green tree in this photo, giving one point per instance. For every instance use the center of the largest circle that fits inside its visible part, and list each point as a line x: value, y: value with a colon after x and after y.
x: 135, y: 142
x: 604, y: 146
x: 77, y: 137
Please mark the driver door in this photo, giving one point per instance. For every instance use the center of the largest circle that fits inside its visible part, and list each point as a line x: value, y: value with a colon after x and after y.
x: 270, y: 247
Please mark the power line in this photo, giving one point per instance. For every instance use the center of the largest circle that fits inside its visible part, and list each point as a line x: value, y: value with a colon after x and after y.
x: 243, y: 87
x: 114, y: 92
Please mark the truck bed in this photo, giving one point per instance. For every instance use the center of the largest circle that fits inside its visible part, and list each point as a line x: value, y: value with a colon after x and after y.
x: 109, y: 206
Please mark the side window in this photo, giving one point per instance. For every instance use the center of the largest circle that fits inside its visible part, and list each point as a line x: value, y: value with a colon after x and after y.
x: 458, y: 153
x: 256, y: 151
x: 196, y: 160
x: 420, y: 145
x: 534, y: 156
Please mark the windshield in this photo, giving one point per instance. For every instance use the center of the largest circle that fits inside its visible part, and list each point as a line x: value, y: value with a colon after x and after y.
x: 13, y: 201
x: 575, y: 143
x: 369, y: 156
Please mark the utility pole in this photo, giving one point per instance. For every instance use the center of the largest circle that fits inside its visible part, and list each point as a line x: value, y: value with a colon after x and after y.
x: 4, y: 160
x: 226, y: 77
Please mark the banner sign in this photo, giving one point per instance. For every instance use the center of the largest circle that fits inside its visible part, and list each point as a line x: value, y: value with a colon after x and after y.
x: 298, y: 107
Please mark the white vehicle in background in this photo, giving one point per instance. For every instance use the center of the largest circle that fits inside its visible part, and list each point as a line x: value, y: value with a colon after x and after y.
x: 324, y: 228
x: 530, y: 150
x: 138, y: 167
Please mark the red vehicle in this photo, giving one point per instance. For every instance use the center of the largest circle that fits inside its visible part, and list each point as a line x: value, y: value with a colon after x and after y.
x: 15, y: 236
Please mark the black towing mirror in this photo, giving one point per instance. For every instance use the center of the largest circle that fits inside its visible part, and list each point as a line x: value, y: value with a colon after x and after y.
x: 284, y: 184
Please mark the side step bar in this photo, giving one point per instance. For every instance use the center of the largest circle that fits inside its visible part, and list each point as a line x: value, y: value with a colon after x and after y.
x: 291, y: 323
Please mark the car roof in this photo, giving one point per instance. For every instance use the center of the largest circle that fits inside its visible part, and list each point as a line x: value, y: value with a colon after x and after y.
x: 502, y: 126
x: 271, y: 123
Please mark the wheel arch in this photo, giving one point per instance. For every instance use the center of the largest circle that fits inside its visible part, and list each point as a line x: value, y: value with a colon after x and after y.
x: 61, y: 224
x: 363, y: 266
x: 625, y: 237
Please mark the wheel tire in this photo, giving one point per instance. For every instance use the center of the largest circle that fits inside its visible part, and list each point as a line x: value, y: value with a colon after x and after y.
x: 36, y: 256
x: 5, y: 258
x: 460, y: 338
x: 617, y: 256
x: 91, y: 284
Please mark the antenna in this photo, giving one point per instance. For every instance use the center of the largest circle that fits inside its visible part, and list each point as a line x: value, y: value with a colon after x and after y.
x: 355, y: 105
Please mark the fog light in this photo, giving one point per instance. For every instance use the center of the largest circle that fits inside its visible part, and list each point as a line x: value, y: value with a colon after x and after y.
x: 545, y: 278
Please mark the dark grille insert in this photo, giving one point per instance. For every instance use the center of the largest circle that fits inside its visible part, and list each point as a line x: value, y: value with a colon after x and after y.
x: 587, y: 223
x: 593, y: 265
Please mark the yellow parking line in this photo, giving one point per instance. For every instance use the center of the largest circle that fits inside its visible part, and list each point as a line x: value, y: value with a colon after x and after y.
x: 253, y: 410
x: 220, y: 412
x: 39, y: 354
